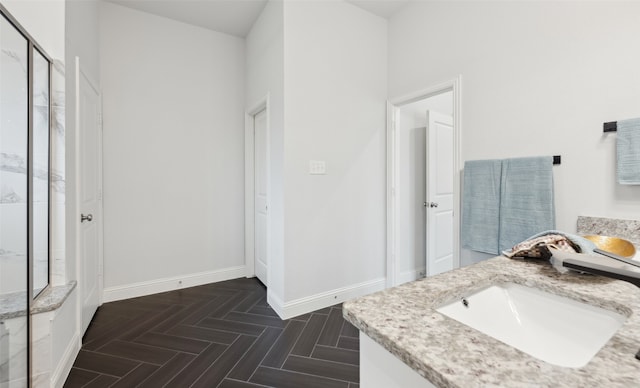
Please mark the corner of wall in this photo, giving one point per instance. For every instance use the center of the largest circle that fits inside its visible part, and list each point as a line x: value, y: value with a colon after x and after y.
x: 319, y: 301
x: 155, y: 286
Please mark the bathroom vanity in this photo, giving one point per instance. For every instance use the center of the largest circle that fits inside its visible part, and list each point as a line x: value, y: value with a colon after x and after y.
x: 405, y: 342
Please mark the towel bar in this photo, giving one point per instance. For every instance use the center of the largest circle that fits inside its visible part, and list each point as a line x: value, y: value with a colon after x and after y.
x: 611, y: 126
x: 556, y: 159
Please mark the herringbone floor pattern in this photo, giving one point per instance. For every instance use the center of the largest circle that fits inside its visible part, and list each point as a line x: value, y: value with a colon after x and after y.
x: 216, y: 335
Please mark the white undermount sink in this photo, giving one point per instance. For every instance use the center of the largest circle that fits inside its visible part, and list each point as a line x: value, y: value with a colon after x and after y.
x: 552, y: 328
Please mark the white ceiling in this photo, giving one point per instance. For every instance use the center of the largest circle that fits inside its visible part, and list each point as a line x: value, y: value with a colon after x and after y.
x: 383, y: 8
x: 235, y: 17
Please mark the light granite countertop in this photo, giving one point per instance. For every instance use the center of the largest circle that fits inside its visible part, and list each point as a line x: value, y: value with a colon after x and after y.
x: 404, y: 321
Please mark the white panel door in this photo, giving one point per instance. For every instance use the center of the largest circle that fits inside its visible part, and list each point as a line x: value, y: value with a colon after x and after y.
x: 261, y: 160
x: 89, y: 197
x: 439, y: 193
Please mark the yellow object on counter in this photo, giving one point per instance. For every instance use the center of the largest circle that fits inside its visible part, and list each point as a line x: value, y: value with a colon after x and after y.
x: 619, y: 246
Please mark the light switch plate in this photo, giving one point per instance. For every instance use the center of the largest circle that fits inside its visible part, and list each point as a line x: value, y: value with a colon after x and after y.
x: 317, y: 167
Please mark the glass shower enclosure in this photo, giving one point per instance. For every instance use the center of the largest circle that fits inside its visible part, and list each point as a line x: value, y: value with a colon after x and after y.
x: 25, y: 112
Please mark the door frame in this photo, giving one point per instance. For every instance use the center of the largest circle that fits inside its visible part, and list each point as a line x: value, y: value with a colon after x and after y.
x: 78, y: 191
x: 393, y: 151
x: 249, y: 186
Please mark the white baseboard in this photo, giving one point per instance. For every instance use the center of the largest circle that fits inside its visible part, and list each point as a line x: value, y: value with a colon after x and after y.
x: 409, y: 276
x: 66, y: 362
x: 311, y: 303
x: 173, y: 283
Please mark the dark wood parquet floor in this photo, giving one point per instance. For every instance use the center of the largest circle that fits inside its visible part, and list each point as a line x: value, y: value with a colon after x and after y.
x: 216, y: 335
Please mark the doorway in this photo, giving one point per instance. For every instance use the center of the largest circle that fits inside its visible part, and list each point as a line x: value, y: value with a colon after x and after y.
x: 257, y: 189
x: 423, y: 184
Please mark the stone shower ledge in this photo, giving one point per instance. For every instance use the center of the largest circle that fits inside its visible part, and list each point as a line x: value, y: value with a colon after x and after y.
x: 12, y: 305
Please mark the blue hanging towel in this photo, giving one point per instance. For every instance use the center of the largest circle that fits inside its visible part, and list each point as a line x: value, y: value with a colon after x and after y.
x: 481, y: 205
x: 526, y: 199
x: 628, y: 152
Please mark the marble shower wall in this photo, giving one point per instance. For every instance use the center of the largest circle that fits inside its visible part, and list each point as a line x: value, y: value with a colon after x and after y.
x: 13, y: 171
x: 13, y: 204
x: 13, y: 343
x: 13, y: 161
x: 57, y: 223
x: 41, y: 154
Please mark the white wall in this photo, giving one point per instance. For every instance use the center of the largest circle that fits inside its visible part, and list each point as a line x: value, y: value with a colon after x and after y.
x: 539, y: 78
x: 411, y: 188
x: 173, y: 148
x: 335, y: 62
x: 43, y: 20
x: 265, y: 76
x: 81, y: 34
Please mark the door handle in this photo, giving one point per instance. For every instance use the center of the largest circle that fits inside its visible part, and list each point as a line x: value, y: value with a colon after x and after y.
x: 88, y: 217
x: 433, y: 204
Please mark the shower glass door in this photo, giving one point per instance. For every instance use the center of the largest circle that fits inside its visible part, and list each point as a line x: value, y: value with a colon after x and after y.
x: 14, y: 151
